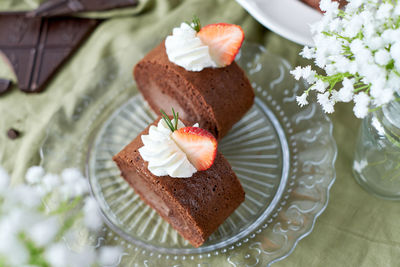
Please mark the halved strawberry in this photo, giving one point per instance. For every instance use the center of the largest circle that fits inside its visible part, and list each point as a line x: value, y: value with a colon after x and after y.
x: 224, y: 41
x: 199, y: 146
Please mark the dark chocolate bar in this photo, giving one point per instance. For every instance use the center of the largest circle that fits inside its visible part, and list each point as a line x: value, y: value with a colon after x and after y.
x: 37, y: 47
x: 65, y: 7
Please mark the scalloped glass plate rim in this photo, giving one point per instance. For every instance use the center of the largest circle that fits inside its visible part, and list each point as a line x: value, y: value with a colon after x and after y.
x: 332, y: 145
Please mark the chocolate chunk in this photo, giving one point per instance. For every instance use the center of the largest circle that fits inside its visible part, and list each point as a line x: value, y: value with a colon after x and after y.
x: 13, y: 134
x: 37, y: 47
x: 5, y: 85
x: 64, y: 7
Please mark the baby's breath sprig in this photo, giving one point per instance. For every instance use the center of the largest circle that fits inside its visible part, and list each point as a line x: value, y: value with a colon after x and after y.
x: 172, y: 126
x: 359, y: 50
x: 52, y: 211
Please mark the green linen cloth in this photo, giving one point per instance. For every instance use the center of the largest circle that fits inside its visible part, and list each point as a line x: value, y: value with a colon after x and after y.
x: 356, y: 229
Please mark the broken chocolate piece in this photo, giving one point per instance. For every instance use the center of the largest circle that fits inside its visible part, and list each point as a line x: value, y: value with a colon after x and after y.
x: 5, y: 85
x: 13, y: 134
x: 37, y: 47
x: 65, y: 7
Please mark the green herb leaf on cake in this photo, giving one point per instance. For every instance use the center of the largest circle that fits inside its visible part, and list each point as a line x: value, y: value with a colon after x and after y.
x: 172, y: 126
x: 195, y: 24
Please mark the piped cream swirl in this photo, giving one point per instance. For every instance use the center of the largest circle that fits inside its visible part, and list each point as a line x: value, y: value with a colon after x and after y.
x: 185, y: 49
x: 163, y: 155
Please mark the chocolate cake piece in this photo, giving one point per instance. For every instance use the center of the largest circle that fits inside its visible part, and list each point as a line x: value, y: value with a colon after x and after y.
x: 194, y: 206
x: 216, y: 98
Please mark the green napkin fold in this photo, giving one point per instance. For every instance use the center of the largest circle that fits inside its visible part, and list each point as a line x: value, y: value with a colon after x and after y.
x: 355, y: 230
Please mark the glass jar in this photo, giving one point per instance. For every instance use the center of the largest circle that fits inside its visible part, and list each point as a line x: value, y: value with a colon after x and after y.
x: 376, y: 163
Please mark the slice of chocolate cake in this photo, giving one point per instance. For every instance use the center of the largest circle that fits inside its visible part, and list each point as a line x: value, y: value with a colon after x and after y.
x: 217, y: 98
x: 194, y: 206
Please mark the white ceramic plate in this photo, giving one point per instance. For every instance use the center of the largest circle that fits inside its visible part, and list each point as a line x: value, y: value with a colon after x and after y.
x: 288, y: 18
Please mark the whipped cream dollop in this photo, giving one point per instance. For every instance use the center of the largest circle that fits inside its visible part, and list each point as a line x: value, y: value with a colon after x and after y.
x: 163, y: 154
x: 185, y: 49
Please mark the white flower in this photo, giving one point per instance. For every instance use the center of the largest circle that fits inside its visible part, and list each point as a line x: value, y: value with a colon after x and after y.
x: 321, y: 26
x: 297, y: 72
x: 334, y: 96
x: 50, y: 181
x: 345, y: 94
x: 309, y: 74
x: 396, y: 11
x: 320, y: 59
x: 354, y: 5
x: 306, y: 73
x: 110, y: 255
x: 325, y: 102
x: 359, y: 43
x: 329, y: 107
x: 302, y: 100
x: 395, y: 53
x: 13, y: 250
x: 43, y: 232
x: 376, y: 86
x: 323, y: 98
x: 4, y: 180
x: 69, y: 191
x: 384, y: 11
x: 353, y: 27
x: 391, y: 36
x: 58, y: 255
x: 342, y: 63
x: 74, y: 183
x: 22, y: 196
x: 362, y: 55
x: 352, y: 68
x: 385, y: 96
x: 370, y: 31
x: 25, y: 217
x: 362, y: 101
x: 335, y: 46
x: 71, y: 175
x: 382, y: 57
x: 320, y: 86
x: 92, y: 217
x: 331, y: 69
x: 373, y: 73
x: 84, y: 257
x: 34, y: 174
x: 331, y: 8
x: 356, y: 45
x: 393, y: 81
x: 307, y: 52
x: 335, y: 25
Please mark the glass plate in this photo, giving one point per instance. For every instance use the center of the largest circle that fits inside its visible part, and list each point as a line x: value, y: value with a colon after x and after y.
x: 283, y: 155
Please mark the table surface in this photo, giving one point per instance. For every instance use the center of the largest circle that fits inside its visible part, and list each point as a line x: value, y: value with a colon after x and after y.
x: 356, y: 229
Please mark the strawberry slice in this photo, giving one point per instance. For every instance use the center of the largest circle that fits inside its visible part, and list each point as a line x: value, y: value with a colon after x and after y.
x: 224, y: 41
x: 199, y: 145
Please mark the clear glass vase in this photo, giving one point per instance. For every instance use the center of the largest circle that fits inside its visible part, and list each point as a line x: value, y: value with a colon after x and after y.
x: 377, y: 157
